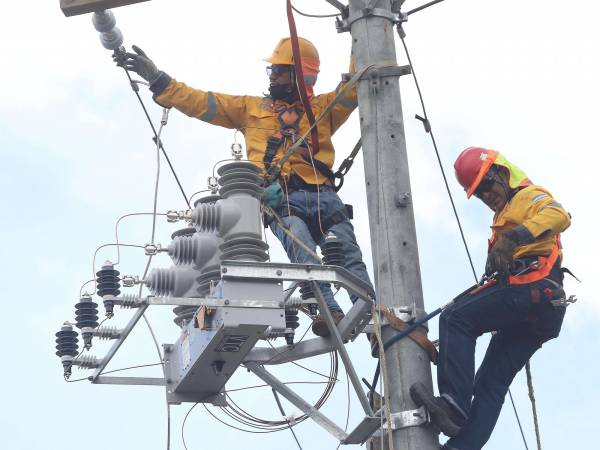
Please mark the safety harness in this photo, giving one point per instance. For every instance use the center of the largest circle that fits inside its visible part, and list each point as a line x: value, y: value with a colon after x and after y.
x: 289, y: 129
x: 539, y: 266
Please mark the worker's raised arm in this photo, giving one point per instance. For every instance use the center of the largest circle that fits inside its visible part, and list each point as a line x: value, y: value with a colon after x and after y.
x: 228, y: 111
x: 219, y: 109
x: 345, y: 105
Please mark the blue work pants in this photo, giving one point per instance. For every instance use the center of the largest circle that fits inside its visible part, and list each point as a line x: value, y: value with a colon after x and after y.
x: 305, y: 214
x: 522, y: 324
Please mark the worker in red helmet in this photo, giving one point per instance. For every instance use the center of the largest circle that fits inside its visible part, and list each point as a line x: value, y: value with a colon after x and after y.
x: 522, y: 305
x: 271, y: 124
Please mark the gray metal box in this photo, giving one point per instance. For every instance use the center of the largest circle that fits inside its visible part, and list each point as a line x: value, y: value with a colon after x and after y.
x: 201, y: 361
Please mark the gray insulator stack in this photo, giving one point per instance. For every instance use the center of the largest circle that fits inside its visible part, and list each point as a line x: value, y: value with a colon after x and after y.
x: 105, y: 23
x: 196, y: 257
x: 236, y: 217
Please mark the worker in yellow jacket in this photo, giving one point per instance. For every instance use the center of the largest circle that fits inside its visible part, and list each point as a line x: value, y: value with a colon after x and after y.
x: 524, y: 304
x: 303, y: 194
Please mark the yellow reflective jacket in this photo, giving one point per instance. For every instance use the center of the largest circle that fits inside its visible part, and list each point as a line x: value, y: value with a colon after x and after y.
x: 534, y: 208
x: 257, y: 119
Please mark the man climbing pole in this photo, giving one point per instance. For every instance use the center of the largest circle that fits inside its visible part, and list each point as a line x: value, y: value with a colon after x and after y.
x: 522, y: 305
x: 299, y: 190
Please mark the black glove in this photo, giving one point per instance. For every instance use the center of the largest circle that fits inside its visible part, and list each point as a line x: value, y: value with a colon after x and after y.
x: 500, y: 257
x: 139, y: 63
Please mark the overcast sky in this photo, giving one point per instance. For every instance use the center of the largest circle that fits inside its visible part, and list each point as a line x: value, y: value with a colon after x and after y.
x: 519, y: 77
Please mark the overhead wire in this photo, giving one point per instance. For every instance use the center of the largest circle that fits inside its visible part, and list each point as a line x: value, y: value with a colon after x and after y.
x: 422, y: 7
x: 117, y: 228
x: 427, y: 124
x: 315, y: 16
x: 135, y: 89
x: 280, y: 406
x: 428, y: 129
x: 117, y: 370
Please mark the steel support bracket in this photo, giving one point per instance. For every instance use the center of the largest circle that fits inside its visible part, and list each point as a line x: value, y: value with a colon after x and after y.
x: 343, y: 25
x: 381, y: 72
x: 410, y: 418
x: 405, y: 419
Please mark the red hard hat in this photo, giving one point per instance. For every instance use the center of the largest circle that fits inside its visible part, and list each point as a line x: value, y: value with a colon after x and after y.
x: 471, y: 166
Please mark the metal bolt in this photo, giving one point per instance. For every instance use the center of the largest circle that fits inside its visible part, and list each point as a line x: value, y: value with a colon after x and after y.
x: 227, y: 302
x: 224, y: 270
x: 279, y: 273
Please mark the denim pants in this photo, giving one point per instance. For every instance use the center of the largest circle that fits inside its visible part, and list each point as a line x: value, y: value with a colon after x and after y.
x: 522, y: 327
x: 303, y: 213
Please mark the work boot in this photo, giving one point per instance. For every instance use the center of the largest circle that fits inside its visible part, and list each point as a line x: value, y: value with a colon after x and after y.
x: 441, y: 412
x: 319, y: 325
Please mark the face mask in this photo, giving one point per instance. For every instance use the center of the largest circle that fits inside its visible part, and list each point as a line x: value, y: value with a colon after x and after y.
x: 281, y: 91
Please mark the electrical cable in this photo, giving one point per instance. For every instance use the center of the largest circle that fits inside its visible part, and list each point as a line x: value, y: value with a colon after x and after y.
x: 383, y: 364
x: 300, y: 365
x: 422, y: 7
x: 135, y: 89
x: 117, y: 228
x: 116, y: 370
x: 283, y: 414
x: 518, y: 420
x: 94, y: 260
x: 347, y: 406
x: 280, y: 425
x: 199, y: 192
x: 428, y: 129
x: 315, y: 16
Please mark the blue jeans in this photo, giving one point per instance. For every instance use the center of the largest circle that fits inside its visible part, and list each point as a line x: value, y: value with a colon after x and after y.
x: 301, y: 217
x: 522, y: 327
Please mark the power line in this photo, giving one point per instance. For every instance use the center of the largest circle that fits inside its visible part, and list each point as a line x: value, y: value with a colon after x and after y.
x: 135, y: 89
x: 428, y: 129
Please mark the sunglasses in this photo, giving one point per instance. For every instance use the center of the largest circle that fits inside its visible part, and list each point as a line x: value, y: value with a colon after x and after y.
x: 484, y: 186
x: 278, y: 69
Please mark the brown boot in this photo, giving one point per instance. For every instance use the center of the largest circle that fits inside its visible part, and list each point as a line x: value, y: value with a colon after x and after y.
x: 319, y: 325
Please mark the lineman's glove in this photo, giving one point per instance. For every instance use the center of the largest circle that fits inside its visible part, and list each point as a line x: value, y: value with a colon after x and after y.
x: 500, y: 257
x: 273, y: 195
x: 139, y: 63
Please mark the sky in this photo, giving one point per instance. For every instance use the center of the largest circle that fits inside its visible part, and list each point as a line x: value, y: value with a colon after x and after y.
x: 519, y: 77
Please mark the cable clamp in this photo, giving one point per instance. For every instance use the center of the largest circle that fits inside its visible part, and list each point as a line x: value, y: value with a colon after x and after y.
x: 130, y: 280
x: 213, y: 184
x: 343, y: 25
x: 176, y: 216
x: 425, y: 122
x: 153, y: 249
x: 381, y: 72
x: 236, y: 151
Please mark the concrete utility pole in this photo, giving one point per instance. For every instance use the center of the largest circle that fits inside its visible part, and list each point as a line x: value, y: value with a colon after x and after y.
x: 393, y: 235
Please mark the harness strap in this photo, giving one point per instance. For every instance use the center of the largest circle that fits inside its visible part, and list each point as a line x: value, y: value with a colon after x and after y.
x: 419, y: 336
x: 339, y: 216
x: 544, y: 267
x: 273, y: 144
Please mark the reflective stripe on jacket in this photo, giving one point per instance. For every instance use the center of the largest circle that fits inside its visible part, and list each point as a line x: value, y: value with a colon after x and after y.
x: 534, y: 208
x: 257, y: 119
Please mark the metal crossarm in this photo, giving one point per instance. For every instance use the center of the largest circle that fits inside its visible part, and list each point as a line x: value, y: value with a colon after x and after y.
x: 297, y: 401
x: 341, y: 348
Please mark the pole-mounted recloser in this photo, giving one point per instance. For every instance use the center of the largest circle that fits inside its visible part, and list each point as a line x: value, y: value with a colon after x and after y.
x: 391, y: 216
x: 76, y: 7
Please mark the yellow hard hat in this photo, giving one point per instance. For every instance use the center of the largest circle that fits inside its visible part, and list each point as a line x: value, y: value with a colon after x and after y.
x: 308, y: 53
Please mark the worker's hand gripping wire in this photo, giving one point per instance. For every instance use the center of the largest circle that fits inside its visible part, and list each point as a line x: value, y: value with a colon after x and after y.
x: 137, y: 62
